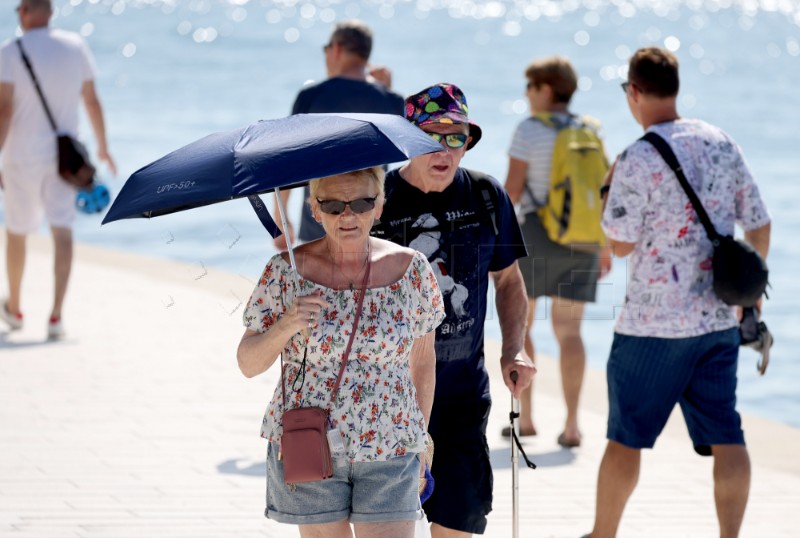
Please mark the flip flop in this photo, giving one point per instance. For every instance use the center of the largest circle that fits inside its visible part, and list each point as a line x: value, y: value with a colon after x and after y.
x: 506, y: 432
x: 566, y: 443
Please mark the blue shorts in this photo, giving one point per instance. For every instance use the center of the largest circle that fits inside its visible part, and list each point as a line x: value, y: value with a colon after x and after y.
x: 362, y: 492
x: 648, y: 376
x: 462, y: 470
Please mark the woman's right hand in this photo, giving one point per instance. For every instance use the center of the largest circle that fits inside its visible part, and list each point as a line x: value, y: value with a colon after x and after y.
x: 304, y: 313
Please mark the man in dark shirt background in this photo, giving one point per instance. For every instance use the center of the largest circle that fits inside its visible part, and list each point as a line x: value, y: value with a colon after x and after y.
x: 350, y: 87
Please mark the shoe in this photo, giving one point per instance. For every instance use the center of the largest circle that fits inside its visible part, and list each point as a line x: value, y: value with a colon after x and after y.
x: 506, y: 432
x: 14, y: 321
x: 565, y: 443
x: 55, y: 329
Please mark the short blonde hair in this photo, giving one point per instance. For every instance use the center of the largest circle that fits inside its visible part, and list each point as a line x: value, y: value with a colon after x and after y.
x: 375, y: 175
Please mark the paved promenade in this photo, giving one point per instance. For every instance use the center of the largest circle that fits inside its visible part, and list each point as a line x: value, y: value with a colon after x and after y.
x: 139, y: 424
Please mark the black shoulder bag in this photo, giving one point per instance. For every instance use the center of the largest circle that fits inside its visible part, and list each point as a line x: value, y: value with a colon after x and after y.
x: 740, y: 274
x: 73, y: 159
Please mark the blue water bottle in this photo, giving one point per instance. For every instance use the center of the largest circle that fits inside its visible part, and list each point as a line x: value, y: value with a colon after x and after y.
x: 94, y: 199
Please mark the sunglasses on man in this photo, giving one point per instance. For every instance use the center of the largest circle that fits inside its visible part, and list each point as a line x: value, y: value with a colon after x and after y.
x: 453, y: 140
x: 336, y: 207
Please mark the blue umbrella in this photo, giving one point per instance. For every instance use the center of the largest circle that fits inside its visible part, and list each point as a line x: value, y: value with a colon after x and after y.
x: 264, y: 157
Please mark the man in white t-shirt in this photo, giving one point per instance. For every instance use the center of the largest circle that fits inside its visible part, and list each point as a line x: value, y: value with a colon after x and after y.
x: 675, y: 341
x: 29, y: 176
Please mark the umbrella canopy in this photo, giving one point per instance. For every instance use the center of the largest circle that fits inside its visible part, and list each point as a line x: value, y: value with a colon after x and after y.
x: 265, y: 156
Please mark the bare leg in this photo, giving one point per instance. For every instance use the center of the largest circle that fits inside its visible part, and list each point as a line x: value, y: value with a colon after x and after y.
x: 15, y: 265
x: 731, y: 487
x: 567, y: 317
x: 526, y: 426
x: 62, y: 240
x: 437, y: 531
x: 387, y: 529
x: 339, y: 529
x: 619, y: 472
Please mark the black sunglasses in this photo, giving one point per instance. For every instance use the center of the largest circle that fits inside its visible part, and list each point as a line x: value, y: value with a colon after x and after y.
x: 624, y: 86
x: 453, y: 140
x: 336, y: 207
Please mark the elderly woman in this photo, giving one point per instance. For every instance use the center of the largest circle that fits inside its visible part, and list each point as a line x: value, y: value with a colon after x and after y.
x: 377, y: 422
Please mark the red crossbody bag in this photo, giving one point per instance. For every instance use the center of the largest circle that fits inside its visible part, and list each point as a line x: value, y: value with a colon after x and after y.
x: 304, y: 450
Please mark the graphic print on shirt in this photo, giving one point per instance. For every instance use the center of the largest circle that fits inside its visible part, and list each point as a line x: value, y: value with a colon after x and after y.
x: 429, y: 243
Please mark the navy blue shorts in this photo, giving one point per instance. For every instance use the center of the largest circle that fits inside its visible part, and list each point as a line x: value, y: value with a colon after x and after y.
x: 462, y: 471
x: 648, y: 376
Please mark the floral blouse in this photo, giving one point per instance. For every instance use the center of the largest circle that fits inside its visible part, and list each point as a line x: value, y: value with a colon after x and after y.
x: 376, y: 409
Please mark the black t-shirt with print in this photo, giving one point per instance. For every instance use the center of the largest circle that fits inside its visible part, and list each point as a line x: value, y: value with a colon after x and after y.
x: 454, y: 230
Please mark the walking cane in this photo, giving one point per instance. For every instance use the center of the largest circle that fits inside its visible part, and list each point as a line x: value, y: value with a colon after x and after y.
x: 516, y: 450
x: 514, y: 463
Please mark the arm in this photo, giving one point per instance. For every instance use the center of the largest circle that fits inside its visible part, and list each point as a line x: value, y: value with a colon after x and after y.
x: 258, y: 351
x: 423, y: 372
x: 516, y: 178
x: 6, y: 95
x: 511, y: 301
x: 759, y: 239
x: 95, y: 113
x: 620, y: 249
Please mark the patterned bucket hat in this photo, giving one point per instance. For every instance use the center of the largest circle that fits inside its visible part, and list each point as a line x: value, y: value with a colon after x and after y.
x: 441, y: 103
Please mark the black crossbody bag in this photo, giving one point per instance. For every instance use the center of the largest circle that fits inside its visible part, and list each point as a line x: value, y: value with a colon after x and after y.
x: 73, y: 159
x: 740, y: 273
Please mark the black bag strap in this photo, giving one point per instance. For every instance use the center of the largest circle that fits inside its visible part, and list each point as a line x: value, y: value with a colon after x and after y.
x: 669, y: 157
x: 27, y: 63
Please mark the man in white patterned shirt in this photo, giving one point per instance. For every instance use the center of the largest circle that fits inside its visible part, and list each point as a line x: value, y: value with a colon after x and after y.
x: 675, y: 341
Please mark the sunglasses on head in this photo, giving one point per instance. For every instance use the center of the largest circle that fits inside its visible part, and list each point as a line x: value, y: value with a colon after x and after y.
x: 336, y: 207
x: 453, y: 140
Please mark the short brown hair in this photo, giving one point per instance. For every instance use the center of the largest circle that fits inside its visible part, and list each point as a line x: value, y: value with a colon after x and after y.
x: 654, y: 71
x: 558, y: 73
x: 354, y: 36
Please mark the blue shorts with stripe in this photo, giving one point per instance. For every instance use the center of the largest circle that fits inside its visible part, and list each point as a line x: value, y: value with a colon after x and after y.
x: 647, y: 376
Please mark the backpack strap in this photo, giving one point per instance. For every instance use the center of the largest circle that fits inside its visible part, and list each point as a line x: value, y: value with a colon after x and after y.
x: 488, y: 195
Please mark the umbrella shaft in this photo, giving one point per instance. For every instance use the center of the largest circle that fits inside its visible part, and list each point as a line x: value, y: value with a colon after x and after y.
x: 284, y: 222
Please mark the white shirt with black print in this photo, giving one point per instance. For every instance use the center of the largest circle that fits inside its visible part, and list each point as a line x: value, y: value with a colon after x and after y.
x: 669, y: 292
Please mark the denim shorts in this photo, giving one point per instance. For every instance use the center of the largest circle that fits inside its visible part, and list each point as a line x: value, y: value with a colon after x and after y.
x: 462, y: 470
x: 648, y: 376
x: 361, y: 492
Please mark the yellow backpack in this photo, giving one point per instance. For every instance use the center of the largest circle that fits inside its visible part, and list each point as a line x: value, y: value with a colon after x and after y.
x: 572, y: 213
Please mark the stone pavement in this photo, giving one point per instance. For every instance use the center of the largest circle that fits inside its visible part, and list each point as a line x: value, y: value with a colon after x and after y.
x: 139, y: 424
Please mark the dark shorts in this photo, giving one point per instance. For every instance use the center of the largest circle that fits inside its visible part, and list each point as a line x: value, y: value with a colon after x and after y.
x: 462, y: 494
x: 648, y: 376
x: 553, y: 270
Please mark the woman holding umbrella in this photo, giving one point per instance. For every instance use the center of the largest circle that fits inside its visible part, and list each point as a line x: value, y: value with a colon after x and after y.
x: 375, y: 378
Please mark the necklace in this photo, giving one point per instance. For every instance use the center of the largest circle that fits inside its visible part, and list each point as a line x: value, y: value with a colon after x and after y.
x: 350, y: 280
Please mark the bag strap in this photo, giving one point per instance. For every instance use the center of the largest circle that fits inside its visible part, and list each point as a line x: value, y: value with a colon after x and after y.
x: 335, y: 390
x: 27, y: 63
x: 669, y: 157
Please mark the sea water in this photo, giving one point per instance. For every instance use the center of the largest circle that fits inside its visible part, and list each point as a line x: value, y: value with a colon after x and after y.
x: 170, y: 72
